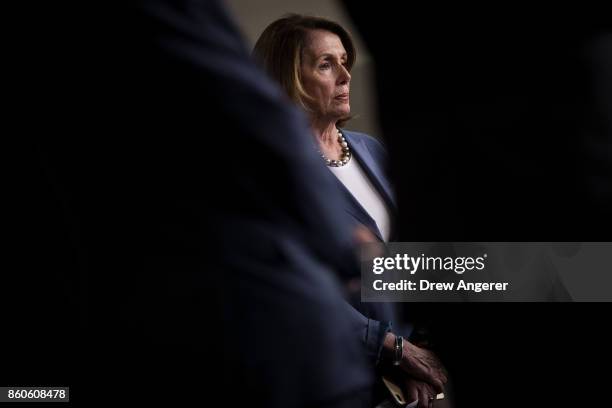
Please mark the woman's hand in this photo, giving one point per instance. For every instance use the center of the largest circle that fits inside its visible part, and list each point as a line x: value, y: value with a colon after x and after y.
x: 421, y: 391
x: 419, y: 363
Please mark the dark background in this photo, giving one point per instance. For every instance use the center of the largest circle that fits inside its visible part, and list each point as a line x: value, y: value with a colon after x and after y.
x: 498, y: 121
x: 498, y: 124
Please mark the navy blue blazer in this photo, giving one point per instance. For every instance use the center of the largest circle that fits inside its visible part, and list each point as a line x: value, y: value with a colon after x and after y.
x: 372, y: 156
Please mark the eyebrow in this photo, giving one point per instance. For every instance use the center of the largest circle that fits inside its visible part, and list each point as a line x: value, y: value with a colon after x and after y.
x: 327, y: 55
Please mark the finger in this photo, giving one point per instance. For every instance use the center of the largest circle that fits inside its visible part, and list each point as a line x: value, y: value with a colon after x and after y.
x: 443, y: 377
x: 432, y: 395
x: 412, y: 392
x: 437, y: 385
x: 429, y: 389
x: 430, y: 377
x: 423, y: 398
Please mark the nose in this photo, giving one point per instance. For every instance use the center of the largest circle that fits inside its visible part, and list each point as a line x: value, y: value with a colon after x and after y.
x: 344, y: 76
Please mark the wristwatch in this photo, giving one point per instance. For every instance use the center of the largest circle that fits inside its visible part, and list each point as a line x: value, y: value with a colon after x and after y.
x: 399, y: 350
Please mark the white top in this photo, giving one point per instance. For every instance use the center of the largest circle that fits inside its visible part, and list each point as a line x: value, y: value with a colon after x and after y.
x: 357, y: 182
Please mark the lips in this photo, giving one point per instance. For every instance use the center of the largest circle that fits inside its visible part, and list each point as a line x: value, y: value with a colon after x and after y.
x: 343, y: 96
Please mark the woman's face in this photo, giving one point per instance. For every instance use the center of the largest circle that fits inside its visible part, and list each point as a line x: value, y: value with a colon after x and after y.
x: 325, y: 76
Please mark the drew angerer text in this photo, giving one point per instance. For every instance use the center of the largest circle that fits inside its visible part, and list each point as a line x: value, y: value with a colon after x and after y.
x: 425, y: 285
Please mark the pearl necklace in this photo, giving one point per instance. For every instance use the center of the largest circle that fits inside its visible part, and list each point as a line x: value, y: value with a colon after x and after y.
x: 346, y: 153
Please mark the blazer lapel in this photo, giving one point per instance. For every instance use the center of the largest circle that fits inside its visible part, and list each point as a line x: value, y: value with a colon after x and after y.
x: 373, y: 169
x: 375, y: 174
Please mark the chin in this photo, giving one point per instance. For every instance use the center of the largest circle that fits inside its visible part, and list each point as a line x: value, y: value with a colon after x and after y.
x: 343, y: 112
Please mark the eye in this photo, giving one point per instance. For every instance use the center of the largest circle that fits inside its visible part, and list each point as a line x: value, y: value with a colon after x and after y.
x: 325, y: 65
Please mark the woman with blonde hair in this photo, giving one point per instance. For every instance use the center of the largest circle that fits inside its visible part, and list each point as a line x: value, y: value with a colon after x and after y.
x: 311, y: 58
